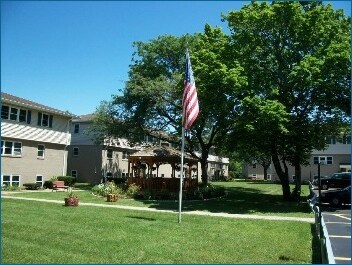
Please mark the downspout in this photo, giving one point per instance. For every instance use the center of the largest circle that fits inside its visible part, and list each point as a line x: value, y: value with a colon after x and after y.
x: 68, y: 140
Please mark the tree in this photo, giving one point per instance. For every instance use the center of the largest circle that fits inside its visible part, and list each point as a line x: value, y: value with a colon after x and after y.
x: 299, y: 57
x: 151, y: 100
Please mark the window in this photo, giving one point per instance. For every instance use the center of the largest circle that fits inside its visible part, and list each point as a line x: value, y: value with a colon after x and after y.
x: 10, y: 180
x: 11, y: 148
x: 254, y: 165
x: 325, y: 160
x: 76, y: 129
x: 5, y: 110
x: 74, y: 173
x: 41, y: 151
x: 45, y: 120
x: 75, y: 151
x: 39, y: 180
x: 15, y: 114
x: 23, y: 115
x: 109, y: 153
x: 6, y: 180
x: 268, y: 177
x: 124, y: 154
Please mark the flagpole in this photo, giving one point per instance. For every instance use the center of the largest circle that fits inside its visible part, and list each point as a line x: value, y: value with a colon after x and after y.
x: 181, y: 176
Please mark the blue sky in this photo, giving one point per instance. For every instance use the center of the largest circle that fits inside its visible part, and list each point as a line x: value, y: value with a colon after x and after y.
x: 73, y: 55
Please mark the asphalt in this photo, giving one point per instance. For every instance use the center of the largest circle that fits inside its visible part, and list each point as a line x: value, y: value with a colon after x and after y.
x: 338, y: 225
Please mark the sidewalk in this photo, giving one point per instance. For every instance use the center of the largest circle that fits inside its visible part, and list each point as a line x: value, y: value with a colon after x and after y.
x: 202, y: 213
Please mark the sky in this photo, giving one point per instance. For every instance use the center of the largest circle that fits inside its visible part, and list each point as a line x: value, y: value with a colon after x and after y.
x: 71, y: 55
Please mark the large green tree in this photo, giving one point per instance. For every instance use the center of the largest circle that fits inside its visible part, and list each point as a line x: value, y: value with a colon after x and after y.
x: 299, y: 56
x: 151, y: 100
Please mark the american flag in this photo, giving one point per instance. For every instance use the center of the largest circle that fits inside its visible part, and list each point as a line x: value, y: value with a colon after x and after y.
x: 190, y: 107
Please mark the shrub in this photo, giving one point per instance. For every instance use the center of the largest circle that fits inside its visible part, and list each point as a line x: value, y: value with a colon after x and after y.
x: 48, y: 184
x: 69, y: 181
x: 10, y: 188
x: 132, y: 190
x: 31, y: 186
x: 107, y: 188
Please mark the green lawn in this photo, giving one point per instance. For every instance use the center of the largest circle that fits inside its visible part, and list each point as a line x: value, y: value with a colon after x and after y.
x: 243, y: 198
x: 39, y: 232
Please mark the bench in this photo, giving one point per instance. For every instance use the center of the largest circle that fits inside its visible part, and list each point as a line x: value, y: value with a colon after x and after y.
x: 59, y: 184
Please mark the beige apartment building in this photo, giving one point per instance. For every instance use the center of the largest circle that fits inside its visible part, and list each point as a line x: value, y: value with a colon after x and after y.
x: 34, y: 141
x: 93, y: 162
x: 335, y: 158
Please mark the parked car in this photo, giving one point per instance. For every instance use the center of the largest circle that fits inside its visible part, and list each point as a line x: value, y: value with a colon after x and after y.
x: 315, y: 180
x: 337, y: 197
x: 337, y: 180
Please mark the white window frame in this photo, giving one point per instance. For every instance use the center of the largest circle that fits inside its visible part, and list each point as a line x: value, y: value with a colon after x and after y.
x: 324, y: 160
x: 41, y: 182
x: 124, y: 155
x: 49, y: 119
x: 11, y: 181
x: 14, y: 116
x: 15, y: 151
x: 268, y: 176
x: 43, y: 150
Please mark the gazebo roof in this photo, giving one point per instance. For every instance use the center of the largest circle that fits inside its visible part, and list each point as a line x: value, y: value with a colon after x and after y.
x: 164, y: 154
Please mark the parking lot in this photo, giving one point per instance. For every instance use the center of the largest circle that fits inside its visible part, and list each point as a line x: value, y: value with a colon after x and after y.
x: 338, y: 225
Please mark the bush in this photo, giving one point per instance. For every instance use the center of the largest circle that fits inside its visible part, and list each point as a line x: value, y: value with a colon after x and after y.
x: 107, y: 188
x: 48, y: 184
x: 69, y: 181
x: 10, y: 188
x: 31, y: 186
x: 132, y: 190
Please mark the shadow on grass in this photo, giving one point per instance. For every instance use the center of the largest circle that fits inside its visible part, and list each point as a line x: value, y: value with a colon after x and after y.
x: 316, y: 250
x: 141, y: 218
x: 239, y: 200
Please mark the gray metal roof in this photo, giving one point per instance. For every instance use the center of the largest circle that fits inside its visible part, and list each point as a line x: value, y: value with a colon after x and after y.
x: 10, y: 99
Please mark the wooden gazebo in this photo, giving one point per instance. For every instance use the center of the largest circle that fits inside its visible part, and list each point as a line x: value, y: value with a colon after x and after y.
x: 143, y: 169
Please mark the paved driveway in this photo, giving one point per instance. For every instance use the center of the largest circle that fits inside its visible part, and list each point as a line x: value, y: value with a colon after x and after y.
x: 338, y: 225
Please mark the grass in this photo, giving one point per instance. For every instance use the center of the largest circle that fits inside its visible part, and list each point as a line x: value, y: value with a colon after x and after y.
x: 260, y: 198
x: 39, y: 232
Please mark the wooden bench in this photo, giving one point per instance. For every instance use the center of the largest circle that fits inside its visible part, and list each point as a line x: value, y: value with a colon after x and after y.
x: 59, y: 184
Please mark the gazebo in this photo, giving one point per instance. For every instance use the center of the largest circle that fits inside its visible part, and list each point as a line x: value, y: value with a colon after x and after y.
x: 143, y: 169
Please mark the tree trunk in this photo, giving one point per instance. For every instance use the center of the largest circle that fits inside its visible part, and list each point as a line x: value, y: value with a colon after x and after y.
x: 296, y: 193
x: 283, y: 175
x: 204, y: 168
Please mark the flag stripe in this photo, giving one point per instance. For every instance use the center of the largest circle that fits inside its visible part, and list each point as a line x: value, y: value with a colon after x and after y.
x: 190, y: 107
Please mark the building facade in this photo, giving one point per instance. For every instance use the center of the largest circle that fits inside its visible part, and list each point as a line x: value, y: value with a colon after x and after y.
x: 335, y: 158
x: 93, y: 162
x: 34, y: 141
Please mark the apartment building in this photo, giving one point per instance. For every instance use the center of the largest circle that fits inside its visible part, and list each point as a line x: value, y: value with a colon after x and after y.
x: 95, y: 162
x: 34, y: 141
x: 335, y: 158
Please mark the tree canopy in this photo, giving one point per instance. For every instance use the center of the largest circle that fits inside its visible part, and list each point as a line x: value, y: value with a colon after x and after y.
x: 274, y: 87
x: 296, y: 58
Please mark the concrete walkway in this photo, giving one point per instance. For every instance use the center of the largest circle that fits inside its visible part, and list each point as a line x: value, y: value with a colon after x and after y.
x: 203, y: 213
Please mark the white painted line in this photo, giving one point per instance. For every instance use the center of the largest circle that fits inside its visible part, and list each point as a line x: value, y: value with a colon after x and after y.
x: 332, y: 236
